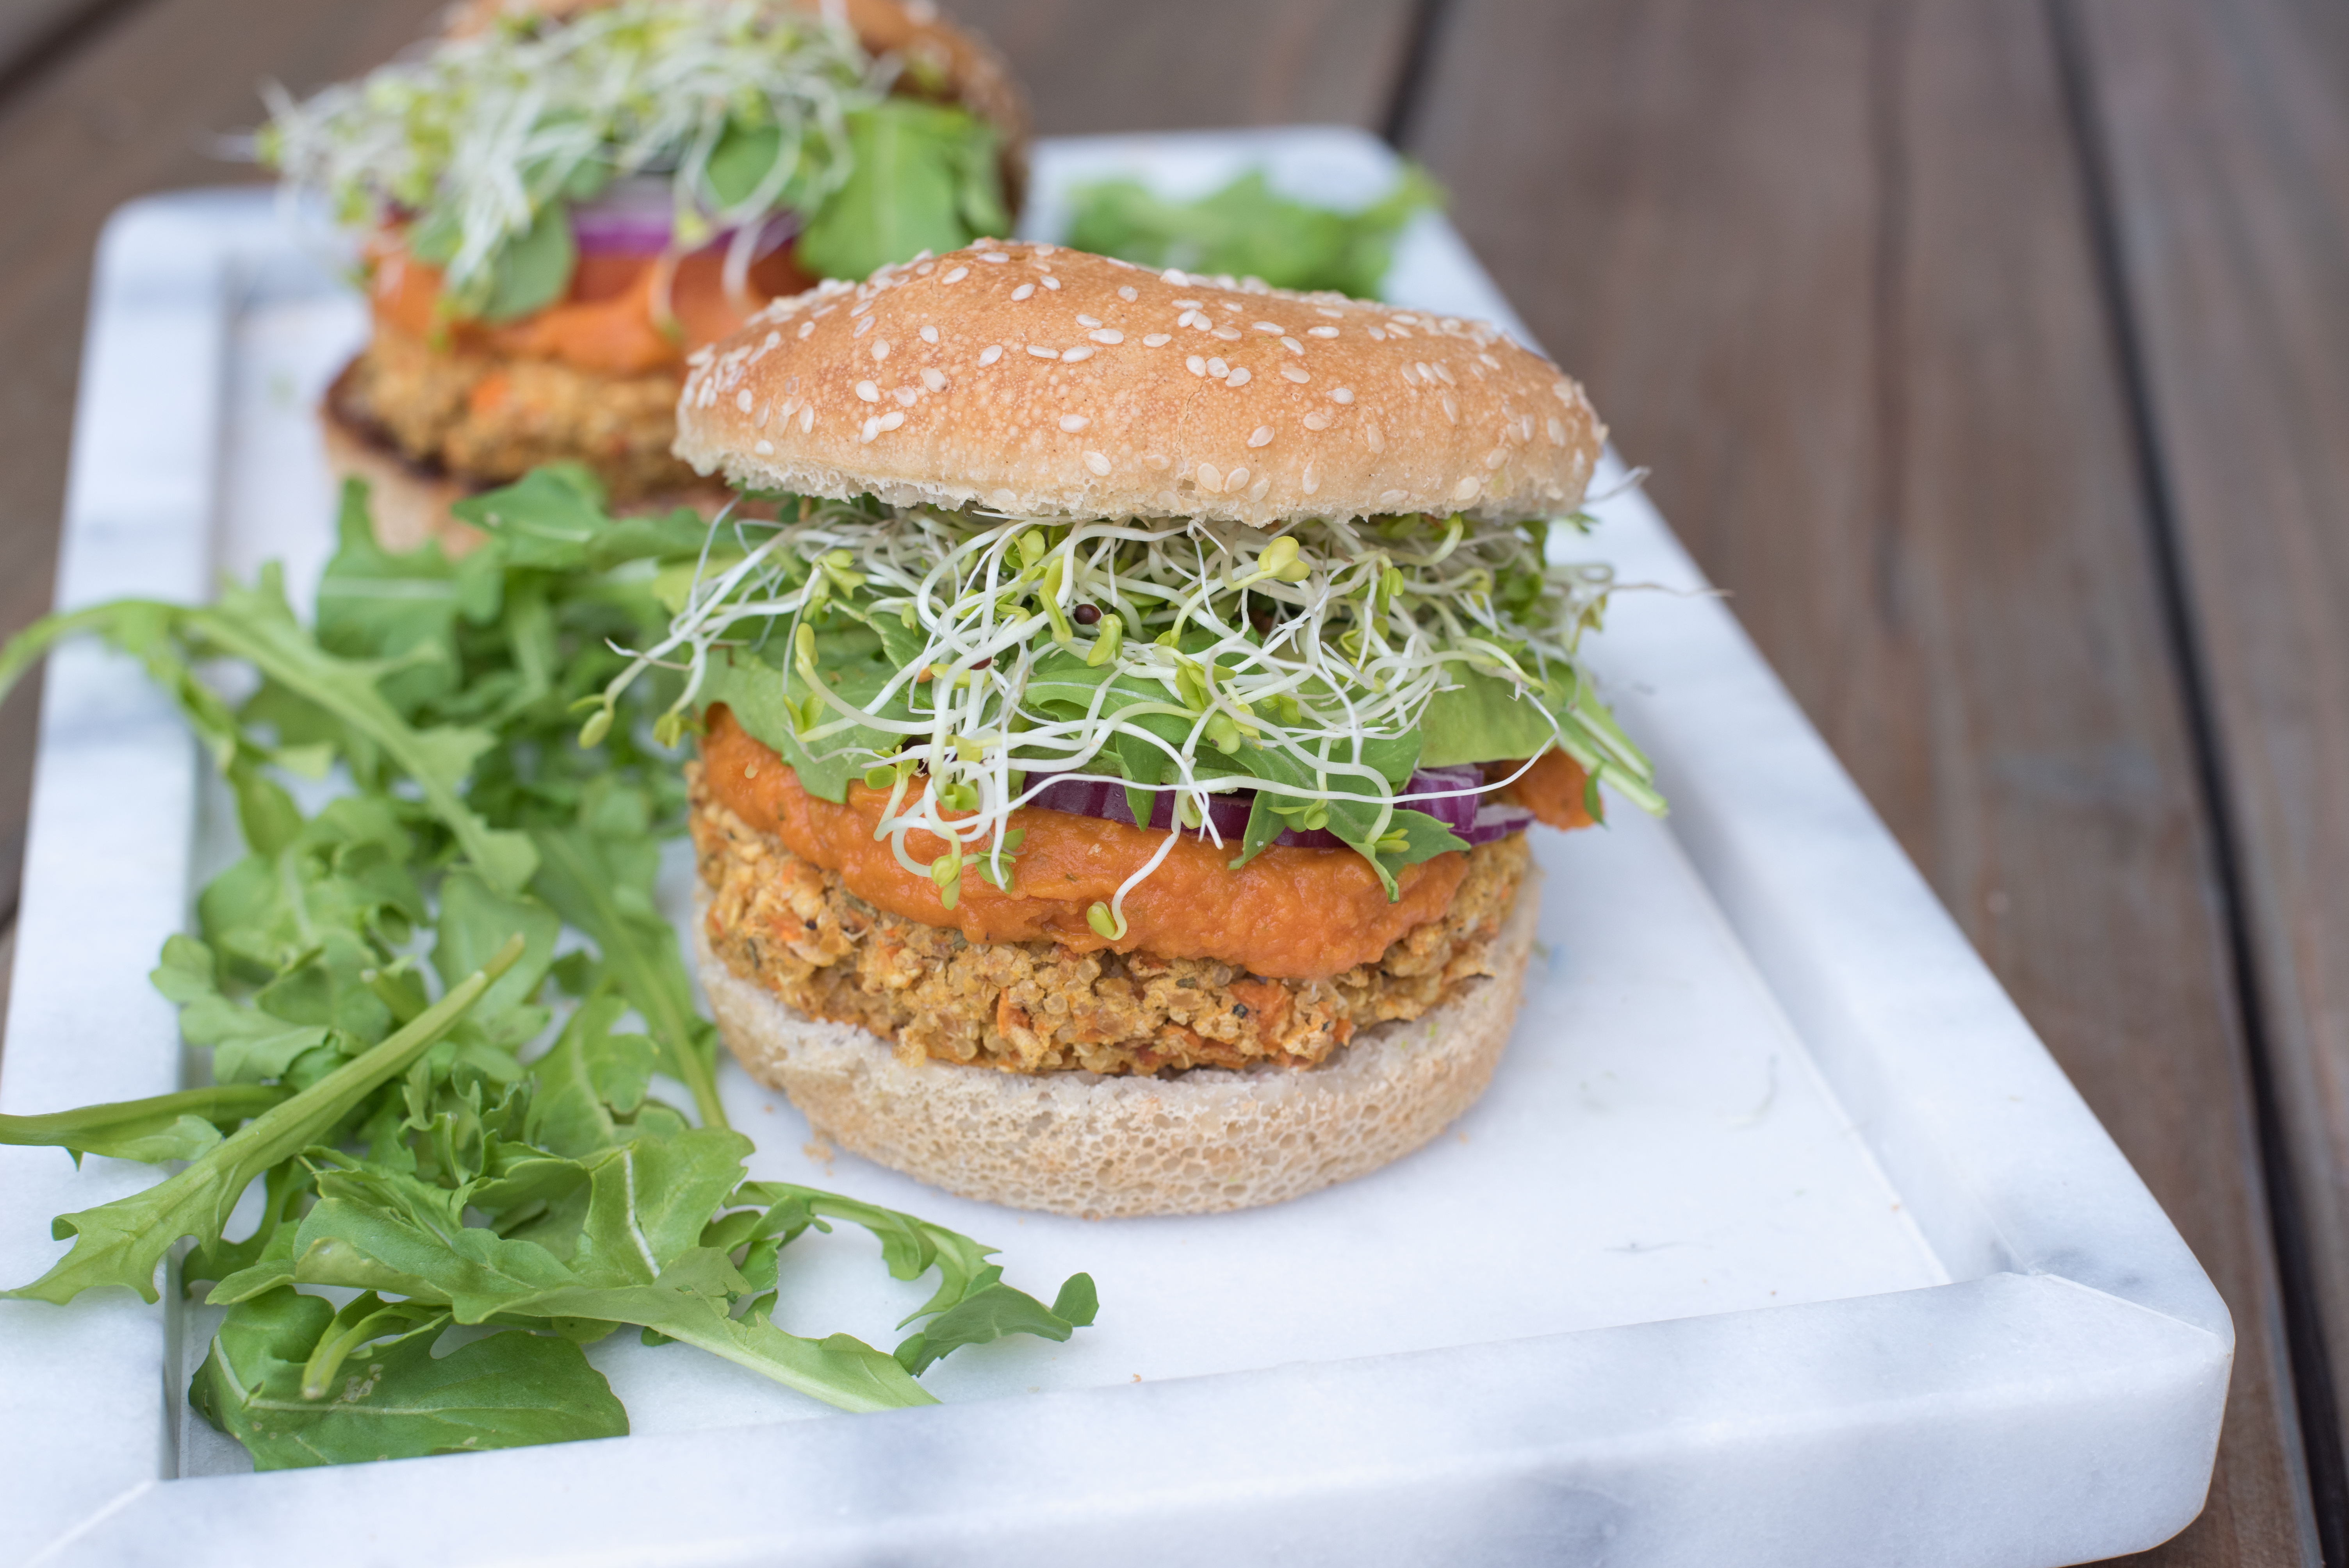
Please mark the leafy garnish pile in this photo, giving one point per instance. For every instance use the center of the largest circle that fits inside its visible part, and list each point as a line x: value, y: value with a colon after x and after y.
x: 371, y: 980
x: 477, y: 146
x: 965, y: 662
x: 1249, y: 230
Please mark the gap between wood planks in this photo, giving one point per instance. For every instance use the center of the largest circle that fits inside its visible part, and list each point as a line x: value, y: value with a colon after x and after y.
x: 2313, y: 1389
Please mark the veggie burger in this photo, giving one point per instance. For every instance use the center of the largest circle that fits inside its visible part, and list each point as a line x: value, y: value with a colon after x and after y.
x: 558, y: 200
x: 1116, y: 760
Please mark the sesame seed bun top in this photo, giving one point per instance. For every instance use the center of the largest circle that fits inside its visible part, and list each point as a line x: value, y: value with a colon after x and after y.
x: 1042, y: 381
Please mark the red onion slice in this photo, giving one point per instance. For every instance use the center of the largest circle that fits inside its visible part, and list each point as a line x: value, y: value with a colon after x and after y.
x: 1450, y: 794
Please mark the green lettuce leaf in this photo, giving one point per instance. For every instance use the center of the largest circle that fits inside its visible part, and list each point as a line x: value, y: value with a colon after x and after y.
x: 925, y: 180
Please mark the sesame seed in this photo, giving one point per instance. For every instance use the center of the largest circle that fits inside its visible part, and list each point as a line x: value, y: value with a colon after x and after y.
x: 1341, y: 395
x: 1218, y: 369
x: 993, y: 256
x: 1072, y: 423
x: 1239, y: 377
x: 1106, y: 334
x: 1098, y: 463
x: 1228, y: 303
x: 906, y: 397
x: 1467, y: 489
x: 1196, y: 366
x: 806, y: 328
x: 1236, y: 478
x: 929, y: 335
x: 764, y: 449
x: 1295, y: 374
x: 1263, y: 436
x: 1291, y: 345
x: 880, y: 348
x: 1406, y: 320
x: 1442, y: 373
x: 1023, y: 291
x: 863, y: 327
x: 1174, y: 276
x: 1425, y: 373
x: 1378, y: 442
x: 1526, y: 429
x: 955, y: 276
x: 1312, y: 479
x: 860, y: 308
x: 1317, y: 420
x: 1209, y: 479
x: 990, y: 354
x: 870, y: 393
x: 1192, y: 318
x: 1496, y: 456
x: 1391, y: 499
x: 872, y: 428
x: 1042, y: 251
x: 1377, y: 336
x: 1157, y: 462
x: 1320, y: 332
x: 807, y: 419
x: 1394, y: 330
x: 1126, y: 294
x: 1490, y: 362
x: 1271, y: 326
x: 892, y: 419
x: 1452, y: 408
x: 1187, y: 305
x: 766, y: 411
x: 1557, y: 431
x: 1051, y: 282
x: 1332, y: 314
x: 1259, y: 490
x: 1071, y: 355
x: 742, y: 399
x: 1040, y: 352
x: 934, y: 379
x: 1087, y: 321
x: 1158, y: 340
x: 1228, y: 333
x: 1565, y: 390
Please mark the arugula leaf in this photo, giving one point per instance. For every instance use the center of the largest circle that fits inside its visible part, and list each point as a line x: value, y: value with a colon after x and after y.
x: 1247, y: 230
x: 926, y: 180
x: 993, y: 1311
x: 162, y: 1127
x: 120, y: 1243
x: 599, y: 876
x: 591, y: 1084
x: 507, y: 1390
x: 635, y: 1259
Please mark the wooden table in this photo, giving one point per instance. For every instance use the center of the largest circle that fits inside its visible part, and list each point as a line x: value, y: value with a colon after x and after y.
x: 1995, y: 356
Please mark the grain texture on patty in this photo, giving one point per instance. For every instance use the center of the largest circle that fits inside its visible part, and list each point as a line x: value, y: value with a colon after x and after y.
x: 790, y: 925
x: 488, y: 419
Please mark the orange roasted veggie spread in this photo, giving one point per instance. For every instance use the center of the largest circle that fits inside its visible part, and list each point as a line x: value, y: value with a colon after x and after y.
x: 611, y: 322
x: 1288, y: 914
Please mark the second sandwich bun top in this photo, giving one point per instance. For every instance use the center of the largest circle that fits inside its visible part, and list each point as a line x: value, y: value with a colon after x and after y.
x: 1042, y: 381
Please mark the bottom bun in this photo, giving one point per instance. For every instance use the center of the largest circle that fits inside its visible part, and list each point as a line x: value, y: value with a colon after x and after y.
x: 1116, y: 1147
x: 410, y: 503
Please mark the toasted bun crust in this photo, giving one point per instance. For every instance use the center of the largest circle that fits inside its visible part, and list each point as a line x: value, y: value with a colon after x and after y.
x: 1040, y: 381
x: 1118, y: 1148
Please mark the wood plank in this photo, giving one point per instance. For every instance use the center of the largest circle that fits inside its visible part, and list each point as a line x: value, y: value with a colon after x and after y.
x: 1823, y: 265
x: 1099, y: 66
x: 2226, y: 129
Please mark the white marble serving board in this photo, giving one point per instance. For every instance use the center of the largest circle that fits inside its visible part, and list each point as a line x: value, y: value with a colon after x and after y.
x: 1778, y: 1238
